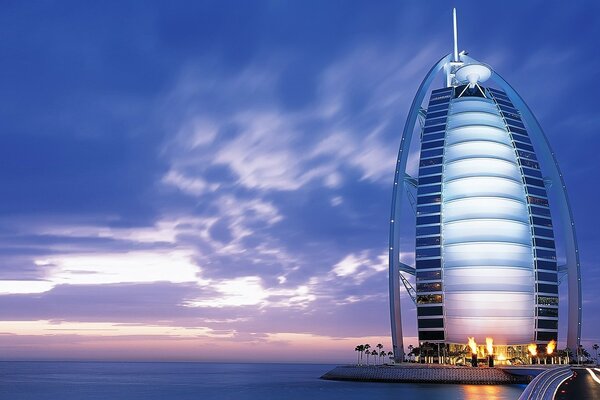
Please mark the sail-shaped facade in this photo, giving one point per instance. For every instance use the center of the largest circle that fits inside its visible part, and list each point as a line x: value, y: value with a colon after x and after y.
x: 485, y: 251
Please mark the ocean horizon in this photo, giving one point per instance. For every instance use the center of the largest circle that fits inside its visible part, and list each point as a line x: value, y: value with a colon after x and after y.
x: 182, y: 380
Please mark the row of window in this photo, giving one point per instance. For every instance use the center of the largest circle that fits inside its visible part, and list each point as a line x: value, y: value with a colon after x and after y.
x: 547, y: 288
x: 432, y: 153
x: 436, y: 114
x: 537, y: 231
x: 428, y: 252
x: 537, y: 191
x: 433, y: 136
x: 546, y: 265
x: 547, y: 276
x: 429, y: 275
x: 431, y: 323
x: 432, y: 145
x: 547, y: 312
x: 428, y: 241
x: 432, y: 209
x: 430, y: 162
x: 434, y: 129
x: 547, y: 301
x: 546, y: 254
x: 439, y: 107
x: 428, y: 336
x: 423, y: 190
x: 548, y: 243
x: 537, y: 201
x: 429, y: 287
x: 546, y: 336
x: 547, y: 324
x: 429, y: 199
x: 428, y: 230
x: 429, y: 311
x: 435, y: 121
x: 544, y: 222
x: 429, y: 298
x: 435, y: 263
x: 436, y: 169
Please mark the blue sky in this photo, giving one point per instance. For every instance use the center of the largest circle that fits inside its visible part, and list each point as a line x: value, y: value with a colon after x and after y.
x: 211, y: 180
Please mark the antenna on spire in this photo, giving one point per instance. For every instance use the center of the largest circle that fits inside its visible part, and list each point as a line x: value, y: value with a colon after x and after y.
x: 455, y: 36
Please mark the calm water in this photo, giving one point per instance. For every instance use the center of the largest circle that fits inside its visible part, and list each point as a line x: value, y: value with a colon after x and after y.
x: 200, y: 381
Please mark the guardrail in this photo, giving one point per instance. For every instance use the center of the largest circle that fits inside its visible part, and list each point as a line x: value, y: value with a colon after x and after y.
x: 544, y: 386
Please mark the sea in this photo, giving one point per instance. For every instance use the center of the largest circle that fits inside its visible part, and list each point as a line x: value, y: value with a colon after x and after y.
x: 207, y: 381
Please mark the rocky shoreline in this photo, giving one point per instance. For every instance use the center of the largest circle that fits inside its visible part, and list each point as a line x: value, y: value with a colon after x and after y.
x: 420, y: 373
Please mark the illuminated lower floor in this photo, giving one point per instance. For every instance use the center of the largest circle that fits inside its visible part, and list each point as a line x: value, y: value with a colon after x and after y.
x: 490, y: 355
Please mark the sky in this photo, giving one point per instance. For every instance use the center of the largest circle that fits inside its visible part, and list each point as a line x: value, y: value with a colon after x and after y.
x: 211, y: 180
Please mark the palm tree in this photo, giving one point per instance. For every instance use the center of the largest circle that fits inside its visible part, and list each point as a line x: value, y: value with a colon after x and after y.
x: 368, y: 353
x: 381, y: 354
x: 357, y: 350
x: 361, y: 349
x: 596, y: 347
x: 410, y: 351
x: 390, y: 354
x: 379, y: 346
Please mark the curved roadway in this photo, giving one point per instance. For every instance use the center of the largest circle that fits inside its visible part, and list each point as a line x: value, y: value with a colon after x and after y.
x: 583, y: 385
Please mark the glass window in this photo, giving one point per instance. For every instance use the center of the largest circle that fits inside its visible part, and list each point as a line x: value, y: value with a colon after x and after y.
x: 547, y: 324
x: 532, y: 172
x: 540, y: 211
x: 547, y: 336
x: 432, y: 145
x: 429, y: 189
x: 534, y: 181
x: 430, y: 179
x: 427, y: 252
x: 526, y: 154
x: 524, y: 146
x: 547, y: 300
x: 431, y: 335
x: 431, y: 323
x: 547, y: 276
x: 431, y: 115
x: 429, y: 298
x: 547, y: 312
x: 435, y: 102
x: 518, y: 124
x: 434, y: 136
x: 431, y: 161
x: 503, y: 102
x: 429, y: 275
x: 435, y: 121
x: 529, y: 163
x: 428, y: 220
x: 432, y: 153
x: 546, y: 265
x: 537, y: 200
x: 428, y: 230
x: 549, y: 254
x: 547, y: 288
x: 427, y: 264
x: 430, y: 170
x: 538, y: 191
x: 428, y: 241
x: 429, y: 311
x: 440, y: 107
x: 428, y: 209
x: 542, y: 221
x: 537, y: 231
x: 429, y: 287
x: 510, y: 112
x: 429, y: 199
x: 544, y: 243
x: 521, y: 138
x: 517, y: 130
x: 434, y: 129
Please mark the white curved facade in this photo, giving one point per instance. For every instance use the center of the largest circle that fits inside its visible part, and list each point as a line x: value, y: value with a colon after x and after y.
x: 487, y: 251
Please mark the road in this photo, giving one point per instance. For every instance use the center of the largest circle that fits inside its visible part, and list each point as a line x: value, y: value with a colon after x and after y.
x: 584, y: 385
